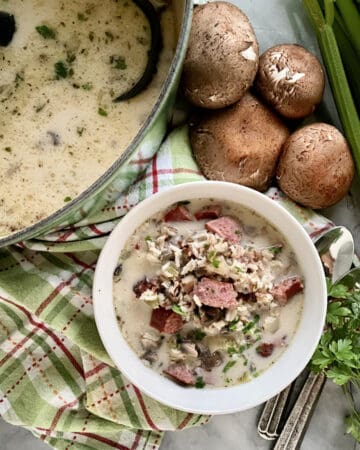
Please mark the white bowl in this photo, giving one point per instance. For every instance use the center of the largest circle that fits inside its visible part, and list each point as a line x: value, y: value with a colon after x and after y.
x: 218, y: 400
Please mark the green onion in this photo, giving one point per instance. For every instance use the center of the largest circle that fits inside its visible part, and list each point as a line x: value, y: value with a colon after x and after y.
x: 336, y: 73
x: 178, y: 310
x: 229, y: 365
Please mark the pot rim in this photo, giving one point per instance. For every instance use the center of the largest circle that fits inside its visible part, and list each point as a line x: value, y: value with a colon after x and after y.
x: 45, y: 224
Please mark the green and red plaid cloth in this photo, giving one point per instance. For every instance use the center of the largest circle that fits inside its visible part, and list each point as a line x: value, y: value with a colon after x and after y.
x: 55, y: 377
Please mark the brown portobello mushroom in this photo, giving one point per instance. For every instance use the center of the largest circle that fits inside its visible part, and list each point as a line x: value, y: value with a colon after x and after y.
x: 291, y: 80
x: 222, y: 57
x: 316, y: 167
x: 240, y: 144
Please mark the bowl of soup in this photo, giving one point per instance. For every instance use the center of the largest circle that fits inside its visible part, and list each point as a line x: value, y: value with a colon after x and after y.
x: 209, y: 297
x: 67, y: 147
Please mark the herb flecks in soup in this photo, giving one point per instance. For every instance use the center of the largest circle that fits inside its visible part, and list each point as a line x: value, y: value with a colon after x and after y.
x: 59, y: 126
x: 208, y: 294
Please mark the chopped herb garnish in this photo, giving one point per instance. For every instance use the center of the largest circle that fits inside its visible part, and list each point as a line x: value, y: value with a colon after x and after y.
x: 87, y: 86
x: 18, y: 78
x: 199, y: 335
x: 91, y: 36
x: 80, y: 130
x: 237, y: 350
x: 102, y: 112
x: 82, y: 17
x: 251, y: 324
x: 109, y: 35
x: 229, y: 365
x: 200, y: 383
x: 275, y: 249
x: 7, y: 149
x: 142, y: 40
x: 46, y: 32
x: 40, y: 107
x: 67, y: 199
x: 239, y: 269
x: 232, y: 325
x: 70, y: 58
x: 178, y: 310
x: 215, y: 263
x: 148, y: 238
x: 61, y: 70
x: 118, y: 62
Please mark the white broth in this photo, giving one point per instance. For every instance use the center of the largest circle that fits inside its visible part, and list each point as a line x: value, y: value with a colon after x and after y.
x: 59, y: 127
x: 215, y: 340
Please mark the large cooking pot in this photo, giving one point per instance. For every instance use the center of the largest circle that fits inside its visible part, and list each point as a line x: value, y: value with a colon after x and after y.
x: 142, y: 148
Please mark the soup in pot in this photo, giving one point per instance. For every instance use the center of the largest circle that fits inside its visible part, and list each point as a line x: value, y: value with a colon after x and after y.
x: 59, y: 126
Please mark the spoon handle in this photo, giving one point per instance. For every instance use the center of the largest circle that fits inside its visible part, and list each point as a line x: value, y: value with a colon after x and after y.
x: 271, y: 415
x: 294, y: 430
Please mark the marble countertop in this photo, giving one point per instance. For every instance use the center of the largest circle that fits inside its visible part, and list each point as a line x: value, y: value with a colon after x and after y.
x: 276, y: 21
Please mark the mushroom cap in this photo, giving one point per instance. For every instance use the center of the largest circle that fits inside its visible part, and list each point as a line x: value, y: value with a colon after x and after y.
x: 222, y: 56
x: 291, y: 80
x: 316, y: 167
x: 240, y: 144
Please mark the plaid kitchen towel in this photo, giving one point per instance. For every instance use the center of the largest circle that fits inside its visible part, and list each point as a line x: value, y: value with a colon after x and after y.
x: 55, y: 377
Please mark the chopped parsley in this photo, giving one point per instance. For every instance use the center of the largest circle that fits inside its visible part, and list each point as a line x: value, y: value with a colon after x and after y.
x: 7, y: 149
x: 61, y: 70
x: 229, y: 365
x: 82, y: 17
x: 91, y: 36
x: 18, y: 78
x: 70, y: 57
x: 275, y: 249
x: 87, y: 86
x: 46, y: 32
x: 102, y: 112
x: 80, y: 130
x: 200, y: 383
x: 178, y: 310
x: 118, y: 62
x: 109, y: 35
x: 40, y: 107
x: 148, y: 238
x: 67, y: 199
x: 199, y: 335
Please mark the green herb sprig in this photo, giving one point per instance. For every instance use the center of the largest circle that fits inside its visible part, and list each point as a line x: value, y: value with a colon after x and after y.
x: 338, y: 353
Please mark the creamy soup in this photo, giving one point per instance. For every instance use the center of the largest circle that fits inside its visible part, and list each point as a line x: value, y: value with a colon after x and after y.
x: 208, y: 293
x: 59, y: 127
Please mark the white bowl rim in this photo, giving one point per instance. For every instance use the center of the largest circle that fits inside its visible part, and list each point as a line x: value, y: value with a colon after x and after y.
x: 215, y: 400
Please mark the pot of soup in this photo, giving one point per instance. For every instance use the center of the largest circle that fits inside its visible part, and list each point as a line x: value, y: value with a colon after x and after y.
x: 86, y: 91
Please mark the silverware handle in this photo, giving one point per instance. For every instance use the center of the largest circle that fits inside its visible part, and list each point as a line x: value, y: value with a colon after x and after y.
x: 271, y: 415
x: 299, y: 418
